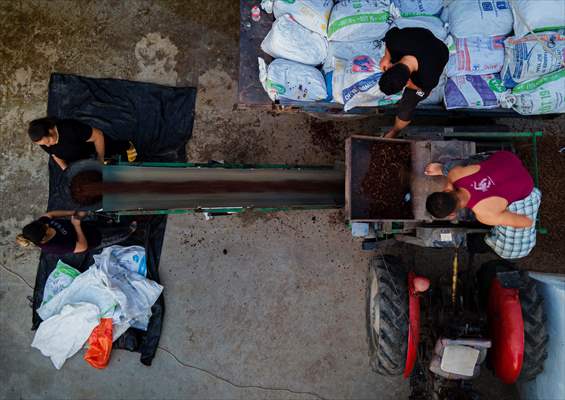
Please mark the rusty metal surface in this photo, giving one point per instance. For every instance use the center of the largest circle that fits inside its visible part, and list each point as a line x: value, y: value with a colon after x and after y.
x: 251, y: 34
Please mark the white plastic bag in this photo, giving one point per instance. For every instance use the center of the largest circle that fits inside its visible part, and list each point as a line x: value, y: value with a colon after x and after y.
x: 131, y: 258
x: 537, y: 15
x: 473, y: 91
x: 361, y: 84
x: 532, y: 56
x: 291, y: 80
x: 359, y: 20
x: 311, y: 14
x: 89, y: 287
x: 62, y: 335
x: 544, y: 95
x: 288, y: 39
x: 348, y: 50
x: 60, y: 278
x: 479, y: 18
x: 410, y: 8
x: 477, y: 55
x: 431, y: 23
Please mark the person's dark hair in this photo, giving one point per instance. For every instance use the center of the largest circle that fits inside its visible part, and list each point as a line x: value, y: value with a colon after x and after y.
x: 39, y: 128
x: 34, y: 232
x: 394, y: 79
x: 441, y: 204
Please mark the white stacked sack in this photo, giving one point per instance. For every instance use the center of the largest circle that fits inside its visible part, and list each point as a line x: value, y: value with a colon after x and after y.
x: 537, y: 16
x: 311, y: 14
x: 473, y: 91
x: 469, y: 18
x: 290, y: 40
x: 284, y: 79
x: 359, y: 20
x: 419, y: 14
x: 544, y: 95
x: 476, y: 55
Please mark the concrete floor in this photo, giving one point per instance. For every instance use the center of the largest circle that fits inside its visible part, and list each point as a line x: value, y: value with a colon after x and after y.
x: 280, y: 315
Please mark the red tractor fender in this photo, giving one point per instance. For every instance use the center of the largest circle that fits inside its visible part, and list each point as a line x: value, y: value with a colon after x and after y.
x: 506, y: 327
x: 416, y: 285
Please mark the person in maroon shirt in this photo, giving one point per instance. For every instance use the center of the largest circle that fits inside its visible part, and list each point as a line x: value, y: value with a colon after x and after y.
x: 486, y: 188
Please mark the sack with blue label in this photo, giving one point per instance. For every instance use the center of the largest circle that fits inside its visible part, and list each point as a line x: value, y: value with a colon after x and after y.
x: 479, y: 18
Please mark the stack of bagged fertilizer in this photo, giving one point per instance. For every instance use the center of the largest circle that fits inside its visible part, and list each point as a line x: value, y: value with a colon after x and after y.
x: 327, y: 51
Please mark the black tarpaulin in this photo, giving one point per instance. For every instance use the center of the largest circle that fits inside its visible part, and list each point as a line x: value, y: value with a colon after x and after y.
x: 158, y: 120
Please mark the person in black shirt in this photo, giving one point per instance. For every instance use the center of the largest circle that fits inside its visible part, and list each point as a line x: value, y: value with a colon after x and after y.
x: 69, y: 140
x: 414, y: 61
x: 54, y: 234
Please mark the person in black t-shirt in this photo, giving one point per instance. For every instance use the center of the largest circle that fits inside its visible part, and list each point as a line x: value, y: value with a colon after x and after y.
x: 69, y: 140
x: 414, y: 61
x: 54, y: 234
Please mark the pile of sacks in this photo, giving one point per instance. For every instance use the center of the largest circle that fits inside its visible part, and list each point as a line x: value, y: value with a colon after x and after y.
x: 331, y: 52
x: 96, y: 306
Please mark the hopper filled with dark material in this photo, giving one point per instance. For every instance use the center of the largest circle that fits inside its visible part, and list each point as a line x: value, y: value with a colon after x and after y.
x: 378, y: 179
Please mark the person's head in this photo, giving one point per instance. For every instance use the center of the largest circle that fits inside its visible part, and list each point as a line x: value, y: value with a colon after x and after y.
x: 33, y: 232
x: 41, y: 131
x: 442, y: 204
x: 394, y: 79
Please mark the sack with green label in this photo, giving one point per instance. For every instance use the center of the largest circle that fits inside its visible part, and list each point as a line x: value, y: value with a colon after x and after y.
x: 359, y: 20
x: 61, y: 277
x: 473, y: 91
x: 537, y: 16
x: 284, y: 79
x: 544, y: 95
x: 311, y: 14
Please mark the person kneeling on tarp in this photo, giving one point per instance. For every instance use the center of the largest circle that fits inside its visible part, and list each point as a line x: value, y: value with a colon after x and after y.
x: 501, y: 193
x: 69, y: 140
x: 54, y: 234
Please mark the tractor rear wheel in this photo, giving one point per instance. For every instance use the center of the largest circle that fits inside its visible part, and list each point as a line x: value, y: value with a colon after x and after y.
x: 535, y: 332
x: 387, y: 315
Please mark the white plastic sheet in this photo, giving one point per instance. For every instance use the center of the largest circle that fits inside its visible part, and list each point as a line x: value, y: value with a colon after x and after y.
x: 479, y: 18
x: 359, y: 20
x: 291, y: 80
x: 131, y: 258
x: 62, y: 335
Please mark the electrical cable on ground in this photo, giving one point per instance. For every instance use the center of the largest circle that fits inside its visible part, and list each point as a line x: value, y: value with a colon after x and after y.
x: 17, y: 275
x: 274, y: 389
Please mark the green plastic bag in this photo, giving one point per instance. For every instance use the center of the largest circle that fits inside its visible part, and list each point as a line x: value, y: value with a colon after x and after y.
x: 61, y: 277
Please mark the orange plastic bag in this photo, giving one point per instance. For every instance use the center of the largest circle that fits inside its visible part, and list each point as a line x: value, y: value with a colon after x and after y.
x: 100, y: 344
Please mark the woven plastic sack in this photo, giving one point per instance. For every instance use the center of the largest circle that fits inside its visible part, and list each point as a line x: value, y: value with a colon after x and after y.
x: 361, y: 85
x: 431, y: 23
x: 479, y: 18
x: 410, y: 8
x: 311, y: 14
x: 359, y: 20
x: 348, y: 50
x: 477, y: 55
x: 100, y: 344
x: 290, y: 40
x: 284, y: 79
x: 537, y: 15
x: 544, y: 95
x: 473, y: 91
x: 436, y: 95
x: 532, y: 56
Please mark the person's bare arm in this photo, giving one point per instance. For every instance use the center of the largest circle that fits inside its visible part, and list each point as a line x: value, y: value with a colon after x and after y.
x: 59, y: 213
x: 505, y: 218
x: 60, y: 162
x: 97, y: 138
x: 82, y: 244
x: 385, y: 61
x: 398, y: 126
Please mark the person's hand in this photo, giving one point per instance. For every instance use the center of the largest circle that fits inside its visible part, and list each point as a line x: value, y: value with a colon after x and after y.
x: 75, y: 221
x: 434, y: 169
x: 80, y: 214
x: 384, y: 64
x: 391, y: 134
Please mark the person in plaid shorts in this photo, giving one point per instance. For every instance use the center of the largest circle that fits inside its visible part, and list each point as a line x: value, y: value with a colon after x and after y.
x: 500, y: 191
